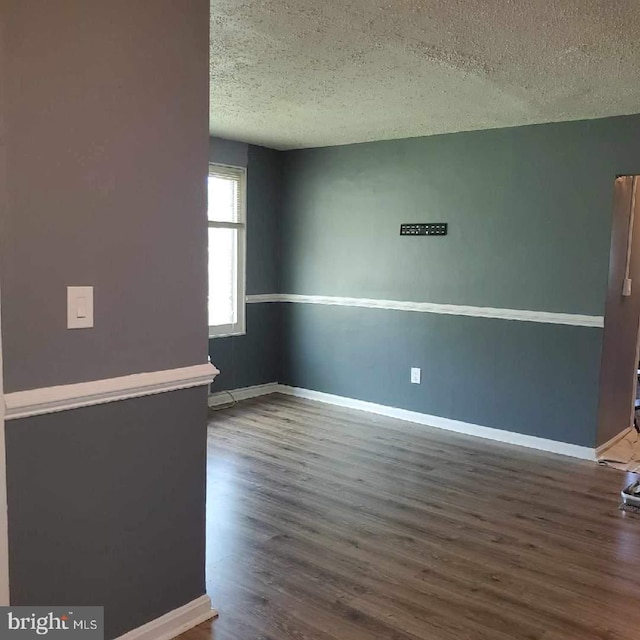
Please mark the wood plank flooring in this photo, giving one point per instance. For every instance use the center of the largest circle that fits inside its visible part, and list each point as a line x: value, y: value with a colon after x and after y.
x: 331, y: 524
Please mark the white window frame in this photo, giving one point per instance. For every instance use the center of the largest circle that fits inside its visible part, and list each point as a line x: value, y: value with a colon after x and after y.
x: 239, y: 173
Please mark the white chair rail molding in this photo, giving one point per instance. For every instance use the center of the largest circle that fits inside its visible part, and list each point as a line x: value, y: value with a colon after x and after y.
x: 33, y: 402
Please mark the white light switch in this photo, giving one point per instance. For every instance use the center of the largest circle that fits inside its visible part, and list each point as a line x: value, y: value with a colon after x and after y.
x: 415, y: 375
x: 79, y: 307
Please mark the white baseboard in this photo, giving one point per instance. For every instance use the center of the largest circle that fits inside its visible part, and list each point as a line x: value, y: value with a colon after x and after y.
x: 175, y: 622
x: 532, y: 442
x: 609, y: 443
x: 244, y: 393
x: 467, y: 428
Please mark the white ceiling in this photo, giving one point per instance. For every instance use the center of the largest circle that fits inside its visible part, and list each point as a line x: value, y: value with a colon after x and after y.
x: 307, y: 73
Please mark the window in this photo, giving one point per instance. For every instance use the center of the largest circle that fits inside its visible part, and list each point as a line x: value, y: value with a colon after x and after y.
x: 227, y: 239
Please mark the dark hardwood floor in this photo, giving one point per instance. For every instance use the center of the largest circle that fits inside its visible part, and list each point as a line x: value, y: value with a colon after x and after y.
x: 331, y: 524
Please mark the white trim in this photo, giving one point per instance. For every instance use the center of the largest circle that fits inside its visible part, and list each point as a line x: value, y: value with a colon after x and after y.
x: 438, y: 422
x: 265, y: 297
x: 244, y: 393
x: 175, y: 622
x: 523, y: 315
x: 634, y: 379
x: 609, y: 443
x: 21, y: 404
x: 533, y: 442
x: 231, y: 333
x: 4, y: 521
x: 239, y: 174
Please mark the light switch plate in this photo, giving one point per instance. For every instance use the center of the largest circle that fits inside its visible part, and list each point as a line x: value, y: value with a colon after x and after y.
x: 415, y: 375
x: 79, y: 307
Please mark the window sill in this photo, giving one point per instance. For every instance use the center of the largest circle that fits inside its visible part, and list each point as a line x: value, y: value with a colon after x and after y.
x: 227, y: 335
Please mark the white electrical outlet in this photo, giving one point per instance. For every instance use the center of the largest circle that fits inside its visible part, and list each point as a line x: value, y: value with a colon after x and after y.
x: 415, y: 375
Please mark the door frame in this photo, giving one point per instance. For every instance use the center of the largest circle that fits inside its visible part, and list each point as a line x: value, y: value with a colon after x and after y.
x: 635, y: 380
x: 4, y: 520
x: 620, y: 340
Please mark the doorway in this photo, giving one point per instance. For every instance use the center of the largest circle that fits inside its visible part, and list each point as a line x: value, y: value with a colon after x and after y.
x: 616, y: 437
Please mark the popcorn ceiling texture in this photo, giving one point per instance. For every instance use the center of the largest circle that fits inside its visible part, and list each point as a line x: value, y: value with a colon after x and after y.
x: 306, y: 73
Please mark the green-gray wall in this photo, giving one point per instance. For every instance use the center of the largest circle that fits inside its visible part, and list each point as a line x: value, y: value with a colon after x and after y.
x: 529, y: 214
x: 252, y: 359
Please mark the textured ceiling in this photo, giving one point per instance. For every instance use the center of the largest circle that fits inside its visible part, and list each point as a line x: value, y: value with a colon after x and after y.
x: 307, y: 73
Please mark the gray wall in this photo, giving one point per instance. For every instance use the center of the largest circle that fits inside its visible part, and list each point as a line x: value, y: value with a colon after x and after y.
x: 529, y: 213
x: 106, y: 507
x: 531, y: 378
x: 106, y: 135
x: 229, y: 152
x: 253, y: 358
x: 104, y: 188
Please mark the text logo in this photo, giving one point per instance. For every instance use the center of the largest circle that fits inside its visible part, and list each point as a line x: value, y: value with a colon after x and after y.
x: 53, y: 623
